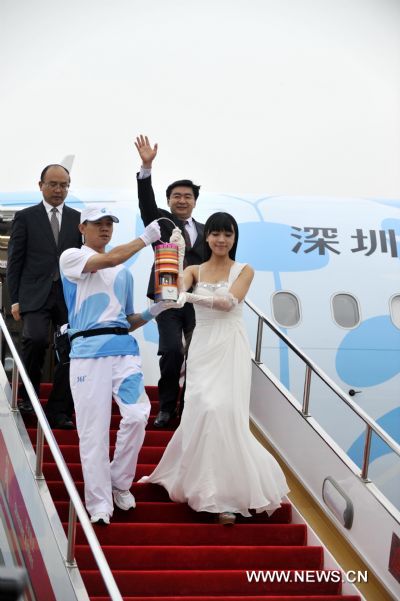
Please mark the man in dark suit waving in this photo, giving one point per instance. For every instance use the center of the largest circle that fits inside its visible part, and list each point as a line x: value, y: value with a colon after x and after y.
x: 181, y: 197
x: 39, y: 235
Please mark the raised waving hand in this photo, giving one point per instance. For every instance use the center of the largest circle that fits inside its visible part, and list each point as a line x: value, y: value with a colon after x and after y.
x: 146, y: 151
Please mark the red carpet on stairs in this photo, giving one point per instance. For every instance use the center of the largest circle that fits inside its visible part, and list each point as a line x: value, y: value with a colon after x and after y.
x: 165, y: 551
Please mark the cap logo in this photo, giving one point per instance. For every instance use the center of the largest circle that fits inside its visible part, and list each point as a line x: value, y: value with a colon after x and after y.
x: 103, y: 210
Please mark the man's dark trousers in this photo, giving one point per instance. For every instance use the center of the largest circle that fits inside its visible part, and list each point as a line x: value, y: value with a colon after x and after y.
x: 172, y: 352
x: 35, y: 341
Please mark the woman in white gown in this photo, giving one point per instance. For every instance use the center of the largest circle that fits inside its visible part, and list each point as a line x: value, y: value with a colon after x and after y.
x: 213, y: 462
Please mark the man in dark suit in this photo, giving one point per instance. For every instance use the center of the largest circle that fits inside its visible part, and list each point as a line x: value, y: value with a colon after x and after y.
x: 181, y: 198
x: 39, y: 235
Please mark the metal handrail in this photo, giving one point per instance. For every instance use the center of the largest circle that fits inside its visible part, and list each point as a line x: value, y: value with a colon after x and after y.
x: 76, y: 506
x: 371, y: 424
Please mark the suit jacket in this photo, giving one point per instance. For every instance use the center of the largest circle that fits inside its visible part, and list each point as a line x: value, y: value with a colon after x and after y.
x: 33, y: 255
x: 149, y: 212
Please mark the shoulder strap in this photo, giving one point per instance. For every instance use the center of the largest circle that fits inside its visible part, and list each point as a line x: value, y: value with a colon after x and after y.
x: 235, y: 271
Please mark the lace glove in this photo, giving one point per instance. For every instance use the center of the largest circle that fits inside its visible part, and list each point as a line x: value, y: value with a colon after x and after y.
x: 178, y: 239
x: 222, y: 303
x: 158, y: 308
x: 151, y: 233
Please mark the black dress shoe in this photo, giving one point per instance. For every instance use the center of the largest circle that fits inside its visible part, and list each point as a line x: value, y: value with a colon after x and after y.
x: 62, y: 422
x: 163, y: 418
x: 25, y: 407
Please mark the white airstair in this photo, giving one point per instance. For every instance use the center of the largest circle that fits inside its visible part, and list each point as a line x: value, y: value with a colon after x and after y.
x: 346, y: 492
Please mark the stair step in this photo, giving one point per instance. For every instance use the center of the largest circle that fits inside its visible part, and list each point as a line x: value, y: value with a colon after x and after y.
x: 198, y: 534
x: 153, y: 438
x: 205, y: 557
x: 70, y: 453
x: 50, y: 470
x: 178, y: 513
x: 114, y: 407
x: 141, y: 492
x: 199, y: 582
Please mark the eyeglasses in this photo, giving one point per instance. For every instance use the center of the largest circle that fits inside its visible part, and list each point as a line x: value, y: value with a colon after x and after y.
x: 54, y: 185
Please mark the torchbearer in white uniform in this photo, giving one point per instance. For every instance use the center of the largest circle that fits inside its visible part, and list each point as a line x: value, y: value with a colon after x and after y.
x: 105, y: 360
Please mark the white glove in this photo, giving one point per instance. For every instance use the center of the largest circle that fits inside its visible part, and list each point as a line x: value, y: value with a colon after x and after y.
x: 181, y: 300
x: 151, y: 233
x: 157, y: 308
x: 64, y: 328
x: 161, y: 306
x: 224, y: 302
x: 178, y: 239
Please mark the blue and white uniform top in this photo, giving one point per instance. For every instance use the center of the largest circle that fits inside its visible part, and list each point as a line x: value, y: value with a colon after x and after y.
x: 97, y: 300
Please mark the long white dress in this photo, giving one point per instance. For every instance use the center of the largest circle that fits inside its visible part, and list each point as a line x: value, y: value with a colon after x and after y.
x: 213, y: 462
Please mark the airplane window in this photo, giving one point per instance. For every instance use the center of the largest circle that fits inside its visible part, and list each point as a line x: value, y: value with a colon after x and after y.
x: 346, y: 312
x: 395, y: 310
x: 285, y: 309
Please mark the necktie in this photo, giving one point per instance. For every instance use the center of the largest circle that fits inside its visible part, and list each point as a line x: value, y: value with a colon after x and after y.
x: 186, y: 236
x: 55, y: 226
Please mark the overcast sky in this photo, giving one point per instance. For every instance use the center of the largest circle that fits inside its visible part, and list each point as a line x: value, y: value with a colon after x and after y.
x: 255, y: 96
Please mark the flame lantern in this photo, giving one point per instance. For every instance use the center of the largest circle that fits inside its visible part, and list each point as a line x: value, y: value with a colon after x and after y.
x: 166, y: 272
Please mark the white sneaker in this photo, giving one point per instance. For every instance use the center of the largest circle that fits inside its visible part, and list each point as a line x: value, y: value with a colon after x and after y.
x: 100, y: 518
x: 123, y: 499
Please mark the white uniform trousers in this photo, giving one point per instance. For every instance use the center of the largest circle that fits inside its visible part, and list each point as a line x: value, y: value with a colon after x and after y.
x: 94, y: 382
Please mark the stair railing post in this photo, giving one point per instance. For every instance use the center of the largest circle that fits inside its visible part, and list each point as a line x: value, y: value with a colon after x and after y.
x: 260, y: 325
x: 367, y: 450
x: 306, y: 393
x: 14, y: 387
x: 39, y: 453
x: 71, y: 536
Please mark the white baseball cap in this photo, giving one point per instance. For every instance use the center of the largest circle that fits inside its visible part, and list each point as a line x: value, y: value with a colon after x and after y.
x: 94, y: 213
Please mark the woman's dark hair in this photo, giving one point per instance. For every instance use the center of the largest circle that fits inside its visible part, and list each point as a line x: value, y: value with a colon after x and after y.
x: 220, y: 222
